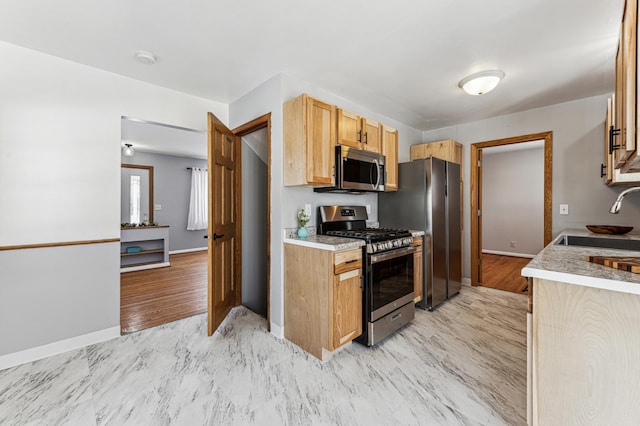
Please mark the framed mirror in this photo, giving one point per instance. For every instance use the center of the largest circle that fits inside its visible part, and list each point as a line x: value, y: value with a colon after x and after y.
x: 136, y: 193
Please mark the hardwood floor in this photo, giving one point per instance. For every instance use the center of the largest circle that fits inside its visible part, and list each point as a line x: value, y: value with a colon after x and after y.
x: 503, y: 272
x: 157, y: 296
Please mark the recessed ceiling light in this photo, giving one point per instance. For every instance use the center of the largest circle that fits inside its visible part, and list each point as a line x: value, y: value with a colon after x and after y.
x: 481, y: 82
x: 145, y: 57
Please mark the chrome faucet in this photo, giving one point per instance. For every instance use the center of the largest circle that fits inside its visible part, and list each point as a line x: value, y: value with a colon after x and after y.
x: 615, y: 208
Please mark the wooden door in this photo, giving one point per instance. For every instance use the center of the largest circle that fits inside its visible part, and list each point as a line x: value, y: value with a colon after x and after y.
x: 390, y: 151
x: 347, y: 307
x: 372, y: 138
x: 349, y: 129
x: 321, y: 142
x: 479, y: 216
x: 224, y: 206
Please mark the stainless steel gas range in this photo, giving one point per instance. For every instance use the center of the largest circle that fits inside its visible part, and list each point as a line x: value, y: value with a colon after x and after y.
x: 388, y: 270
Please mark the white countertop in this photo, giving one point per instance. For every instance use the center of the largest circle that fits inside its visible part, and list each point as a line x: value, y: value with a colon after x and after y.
x: 569, y: 264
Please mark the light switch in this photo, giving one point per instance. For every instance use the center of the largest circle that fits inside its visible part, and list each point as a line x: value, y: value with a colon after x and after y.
x: 307, y: 209
x: 368, y: 208
x: 564, y: 209
x: 157, y: 207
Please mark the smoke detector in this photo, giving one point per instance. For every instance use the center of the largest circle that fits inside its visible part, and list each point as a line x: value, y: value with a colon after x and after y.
x: 145, y: 57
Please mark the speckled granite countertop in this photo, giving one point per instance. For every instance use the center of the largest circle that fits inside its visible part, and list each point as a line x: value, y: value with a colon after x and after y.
x: 325, y: 242
x: 569, y: 264
x: 416, y: 233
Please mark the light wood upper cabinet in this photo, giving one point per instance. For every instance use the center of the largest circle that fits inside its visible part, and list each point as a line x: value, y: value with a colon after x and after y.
x: 309, y: 142
x: 390, y: 151
x: 359, y: 132
x: 349, y: 129
x: 322, y: 298
x: 609, y: 174
x: 372, y: 139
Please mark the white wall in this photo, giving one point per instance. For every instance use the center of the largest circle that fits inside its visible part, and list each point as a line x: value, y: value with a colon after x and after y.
x: 513, y: 201
x: 60, y: 181
x: 285, y: 201
x: 578, y: 133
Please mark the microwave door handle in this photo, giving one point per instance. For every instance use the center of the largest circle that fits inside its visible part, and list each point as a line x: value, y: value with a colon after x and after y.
x: 376, y: 164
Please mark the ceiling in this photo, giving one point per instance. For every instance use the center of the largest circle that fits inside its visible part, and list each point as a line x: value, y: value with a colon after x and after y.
x: 159, y: 138
x: 401, y: 59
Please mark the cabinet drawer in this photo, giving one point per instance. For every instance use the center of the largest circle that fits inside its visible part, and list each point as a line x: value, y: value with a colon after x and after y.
x: 417, y: 243
x: 347, y: 260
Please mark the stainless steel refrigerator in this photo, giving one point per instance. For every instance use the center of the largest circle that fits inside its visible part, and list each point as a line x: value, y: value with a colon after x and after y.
x: 428, y: 199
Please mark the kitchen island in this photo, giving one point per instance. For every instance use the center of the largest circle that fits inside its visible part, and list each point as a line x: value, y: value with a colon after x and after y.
x: 583, y: 337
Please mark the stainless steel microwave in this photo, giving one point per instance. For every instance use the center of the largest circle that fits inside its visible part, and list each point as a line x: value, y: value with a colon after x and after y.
x: 357, y: 171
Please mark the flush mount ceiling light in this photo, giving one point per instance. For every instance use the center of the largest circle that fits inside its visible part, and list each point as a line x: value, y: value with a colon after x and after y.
x: 128, y: 150
x: 481, y: 82
x: 145, y: 57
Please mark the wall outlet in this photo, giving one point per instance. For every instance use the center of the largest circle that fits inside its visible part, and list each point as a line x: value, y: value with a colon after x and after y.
x: 368, y: 208
x: 512, y: 244
x: 564, y: 209
x: 307, y: 209
x: 157, y: 207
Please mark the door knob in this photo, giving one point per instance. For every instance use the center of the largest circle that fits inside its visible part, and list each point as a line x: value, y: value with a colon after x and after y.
x: 216, y: 236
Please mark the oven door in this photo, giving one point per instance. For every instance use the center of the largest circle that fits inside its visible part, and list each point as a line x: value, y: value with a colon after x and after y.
x: 389, y: 281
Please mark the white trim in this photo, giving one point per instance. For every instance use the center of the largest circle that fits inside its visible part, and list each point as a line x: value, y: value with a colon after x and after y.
x: 55, y: 348
x: 507, y: 253
x: 277, y: 331
x: 143, y: 267
x: 189, y: 250
x: 466, y: 281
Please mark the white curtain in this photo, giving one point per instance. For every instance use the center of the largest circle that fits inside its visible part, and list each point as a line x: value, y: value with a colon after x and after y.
x: 198, y: 204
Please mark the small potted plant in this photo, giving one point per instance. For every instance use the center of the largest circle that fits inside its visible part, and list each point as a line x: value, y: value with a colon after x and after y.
x: 303, y: 218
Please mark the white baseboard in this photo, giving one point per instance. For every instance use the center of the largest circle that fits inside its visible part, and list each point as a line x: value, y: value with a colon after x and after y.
x: 189, y: 250
x: 277, y: 331
x: 507, y: 253
x: 466, y: 281
x: 145, y: 267
x: 55, y: 348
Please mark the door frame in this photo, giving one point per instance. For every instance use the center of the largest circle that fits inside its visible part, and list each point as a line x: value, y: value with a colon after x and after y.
x: 476, y: 192
x: 243, y: 130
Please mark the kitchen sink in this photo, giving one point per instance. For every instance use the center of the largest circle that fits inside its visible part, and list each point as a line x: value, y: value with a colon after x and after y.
x: 610, y: 243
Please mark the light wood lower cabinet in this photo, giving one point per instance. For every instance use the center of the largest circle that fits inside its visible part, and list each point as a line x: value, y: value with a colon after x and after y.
x: 322, y: 298
x: 583, y: 356
x: 418, y: 273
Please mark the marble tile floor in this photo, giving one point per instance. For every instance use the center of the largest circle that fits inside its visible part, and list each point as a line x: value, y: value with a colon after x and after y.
x: 463, y: 364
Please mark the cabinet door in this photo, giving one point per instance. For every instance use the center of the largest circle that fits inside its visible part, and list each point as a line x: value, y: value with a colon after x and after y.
x: 349, y: 129
x: 607, y: 165
x: 417, y: 276
x: 618, y: 111
x: 372, y: 138
x: 390, y: 151
x: 321, y: 142
x: 347, y: 307
x: 628, y: 141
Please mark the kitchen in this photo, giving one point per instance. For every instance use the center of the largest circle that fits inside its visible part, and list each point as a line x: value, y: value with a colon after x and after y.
x: 576, y: 123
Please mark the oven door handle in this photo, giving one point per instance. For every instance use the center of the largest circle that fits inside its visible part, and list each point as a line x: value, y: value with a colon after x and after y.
x: 377, y: 258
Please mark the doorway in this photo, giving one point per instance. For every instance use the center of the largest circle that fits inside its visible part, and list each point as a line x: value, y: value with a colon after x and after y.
x: 510, y: 267
x: 161, y: 280
x: 225, y: 283
x: 255, y: 213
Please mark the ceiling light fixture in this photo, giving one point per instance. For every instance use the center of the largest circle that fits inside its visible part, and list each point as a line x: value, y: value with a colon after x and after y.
x: 145, y: 57
x: 128, y: 150
x: 481, y: 82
